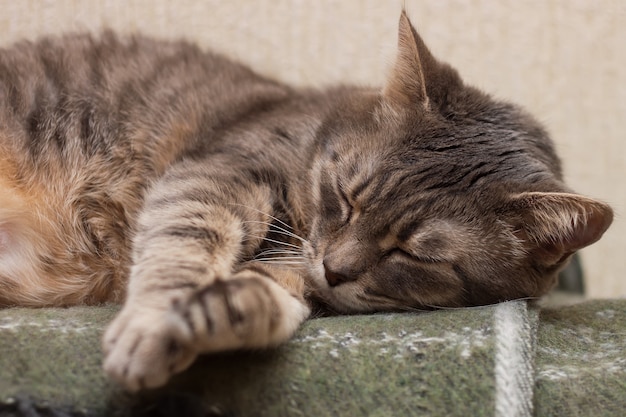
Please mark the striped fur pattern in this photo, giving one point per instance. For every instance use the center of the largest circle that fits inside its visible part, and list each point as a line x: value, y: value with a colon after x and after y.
x: 220, y: 206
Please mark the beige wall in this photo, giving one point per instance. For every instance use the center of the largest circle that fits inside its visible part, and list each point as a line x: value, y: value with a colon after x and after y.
x: 563, y: 59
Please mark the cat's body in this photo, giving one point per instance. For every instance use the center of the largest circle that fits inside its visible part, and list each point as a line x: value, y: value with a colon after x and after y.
x: 232, y: 200
x: 84, y: 143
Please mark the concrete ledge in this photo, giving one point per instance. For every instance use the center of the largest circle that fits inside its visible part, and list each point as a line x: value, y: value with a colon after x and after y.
x: 498, y: 360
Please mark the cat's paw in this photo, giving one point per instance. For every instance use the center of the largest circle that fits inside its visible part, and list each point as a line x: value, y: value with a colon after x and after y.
x: 144, y: 347
x: 245, y: 311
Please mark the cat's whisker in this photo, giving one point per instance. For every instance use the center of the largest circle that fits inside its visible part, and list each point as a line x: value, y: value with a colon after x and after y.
x: 290, y: 235
x: 279, y: 252
x: 286, y: 233
x: 280, y: 258
x: 280, y: 263
x: 436, y: 307
x: 277, y: 256
x: 263, y: 213
x: 278, y: 249
x: 278, y: 229
x: 278, y: 242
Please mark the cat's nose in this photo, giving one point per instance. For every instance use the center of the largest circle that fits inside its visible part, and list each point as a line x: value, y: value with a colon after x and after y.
x: 335, y: 278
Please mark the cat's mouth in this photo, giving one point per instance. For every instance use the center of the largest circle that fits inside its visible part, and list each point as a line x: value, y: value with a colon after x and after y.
x: 342, y: 295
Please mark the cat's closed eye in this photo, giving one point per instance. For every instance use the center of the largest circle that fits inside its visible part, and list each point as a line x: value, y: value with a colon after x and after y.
x: 346, y: 205
x: 410, y: 256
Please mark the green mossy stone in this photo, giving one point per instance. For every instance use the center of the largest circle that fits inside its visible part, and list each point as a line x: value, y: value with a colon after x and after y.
x: 53, y: 356
x: 581, y: 360
x: 430, y: 364
x: 380, y: 365
x: 425, y: 364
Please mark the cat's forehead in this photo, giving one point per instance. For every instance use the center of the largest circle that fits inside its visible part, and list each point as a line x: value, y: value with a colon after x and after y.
x: 432, y: 161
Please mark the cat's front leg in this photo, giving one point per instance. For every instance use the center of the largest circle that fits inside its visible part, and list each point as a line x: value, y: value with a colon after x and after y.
x: 198, y: 222
x: 176, y: 254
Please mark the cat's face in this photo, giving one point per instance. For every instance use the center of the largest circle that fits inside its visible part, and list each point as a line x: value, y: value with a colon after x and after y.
x: 437, y: 195
x: 410, y: 217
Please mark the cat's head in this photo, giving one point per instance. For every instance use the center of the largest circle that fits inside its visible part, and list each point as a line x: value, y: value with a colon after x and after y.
x: 431, y: 193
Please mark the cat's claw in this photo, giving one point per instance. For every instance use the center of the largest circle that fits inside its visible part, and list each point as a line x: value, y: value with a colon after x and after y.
x: 144, y: 348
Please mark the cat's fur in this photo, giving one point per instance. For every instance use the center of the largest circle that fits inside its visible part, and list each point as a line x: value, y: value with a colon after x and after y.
x: 232, y: 201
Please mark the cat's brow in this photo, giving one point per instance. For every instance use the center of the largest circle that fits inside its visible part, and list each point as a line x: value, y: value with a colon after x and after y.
x: 405, y: 233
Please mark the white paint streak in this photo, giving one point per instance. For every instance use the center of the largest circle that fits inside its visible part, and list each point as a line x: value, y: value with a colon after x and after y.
x: 513, y: 368
x: 594, y: 349
x: 575, y: 371
x: 606, y: 314
x: 398, y: 346
x: 50, y: 325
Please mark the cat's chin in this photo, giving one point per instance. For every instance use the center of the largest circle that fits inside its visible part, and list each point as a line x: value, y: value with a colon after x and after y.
x: 324, y: 293
x: 342, y: 299
x: 336, y: 305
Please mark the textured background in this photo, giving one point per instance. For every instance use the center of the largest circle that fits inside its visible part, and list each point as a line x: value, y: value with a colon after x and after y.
x: 565, y: 60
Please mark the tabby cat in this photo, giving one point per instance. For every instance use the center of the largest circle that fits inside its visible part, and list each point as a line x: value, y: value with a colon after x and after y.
x: 221, y: 206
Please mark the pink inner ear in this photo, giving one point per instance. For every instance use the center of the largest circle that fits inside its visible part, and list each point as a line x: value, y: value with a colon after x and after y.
x: 595, y: 220
x: 562, y: 223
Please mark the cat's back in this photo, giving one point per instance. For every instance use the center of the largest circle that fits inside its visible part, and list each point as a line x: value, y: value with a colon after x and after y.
x: 130, y: 82
x: 116, y: 109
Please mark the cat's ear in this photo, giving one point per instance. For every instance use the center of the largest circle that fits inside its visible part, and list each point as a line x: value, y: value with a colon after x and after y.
x: 417, y: 78
x: 555, y: 225
x: 407, y: 85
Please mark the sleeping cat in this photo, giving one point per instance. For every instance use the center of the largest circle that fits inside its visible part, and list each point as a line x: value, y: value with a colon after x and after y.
x: 220, y: 205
